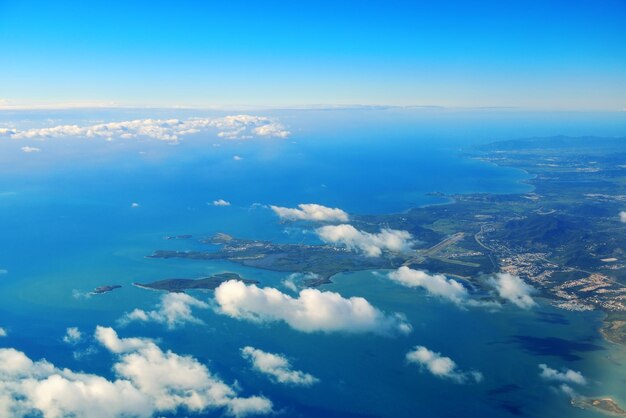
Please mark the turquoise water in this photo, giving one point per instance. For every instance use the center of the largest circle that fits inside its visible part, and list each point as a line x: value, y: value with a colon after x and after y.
x: 68, y: 226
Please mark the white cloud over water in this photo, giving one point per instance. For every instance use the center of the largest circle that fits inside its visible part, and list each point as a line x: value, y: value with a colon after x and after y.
x: 311, y: 212
x: 147, y: 381
x: 371, y: 244
x: 277, y: 367
x: 173, y: 310
x: 3, y: 332
x: 220, y: 202
x: 230, y: 127
x: 312, y: 311
x: 565, y: 376
x: 513, y: 289
x: 437, y: 284
x: 440, y: 366
x: 622, y: 216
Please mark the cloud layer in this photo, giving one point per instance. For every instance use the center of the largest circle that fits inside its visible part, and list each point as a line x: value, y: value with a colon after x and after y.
x: 440, y: 366
x: 311, y: 212
x: 370, y: 244
x: 312, y: 311
x: 277, y: 367
x: 230, y: 127
x: 147, y: 381
x: 174, y: 310
x: 514, y: 289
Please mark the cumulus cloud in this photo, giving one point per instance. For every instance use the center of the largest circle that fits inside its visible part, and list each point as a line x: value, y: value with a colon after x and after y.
x: 134, y: 205
x: 3, y: 332
x: 440, y: 366
x: 513, y: 289
x: 220, y: 202
x: 311, y: 212
x: 174, y: 310
x: 147, y: 381
x: 622, y: 216
x: 437, y: 285
x: 563, y: 376
x: 370, y: 244
x: 312, y: 311
x: 277, y: 367
x: 231, y: 127
x: 30, y: 149
x: 237, y: 158
x: 72, y: 335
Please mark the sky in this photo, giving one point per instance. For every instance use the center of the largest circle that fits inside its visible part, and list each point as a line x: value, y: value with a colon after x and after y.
x: 528, y: 54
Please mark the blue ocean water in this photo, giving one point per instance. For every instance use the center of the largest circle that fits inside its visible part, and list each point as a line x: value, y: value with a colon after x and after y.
x: 69, y: 225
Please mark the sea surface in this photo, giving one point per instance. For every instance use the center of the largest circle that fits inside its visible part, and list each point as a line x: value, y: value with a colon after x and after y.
x: 68, y: 225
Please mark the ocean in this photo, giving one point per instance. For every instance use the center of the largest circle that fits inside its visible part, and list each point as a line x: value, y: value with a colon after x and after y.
x: 80, y: 215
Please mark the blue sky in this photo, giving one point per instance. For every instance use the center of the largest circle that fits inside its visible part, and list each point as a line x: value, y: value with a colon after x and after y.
x: 530, y: 54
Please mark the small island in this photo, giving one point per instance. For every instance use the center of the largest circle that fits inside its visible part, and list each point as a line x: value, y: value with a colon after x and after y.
x: 204, y: 283
x: 105, y: 289
x: 606, y: 405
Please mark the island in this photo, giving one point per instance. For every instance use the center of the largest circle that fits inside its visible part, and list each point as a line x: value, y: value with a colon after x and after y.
x: 105, y: 289
x: 204, y: 283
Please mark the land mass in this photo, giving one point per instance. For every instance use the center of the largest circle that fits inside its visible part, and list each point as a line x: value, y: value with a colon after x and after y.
x: 105, y: 289
x: 206, y: 283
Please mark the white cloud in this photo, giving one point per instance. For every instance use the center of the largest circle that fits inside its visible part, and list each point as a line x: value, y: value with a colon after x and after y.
x: 437, y: 284
x: 134, y: 205
x: 237, y: 158
x: 312, y: 311
x: 622, y: 216
x: 564, y: 376
x: 174, y: 310
x: 30, y: 149
x: 147, y: 381
x: 514, y: 289
x: 231, y: 127
x: 72, y: 335
x: 277, y: 367
x: 311, y: 212
x: 370, y: 244
x: 3, y: 332
x: 440, y: 366
x: 220, y: 202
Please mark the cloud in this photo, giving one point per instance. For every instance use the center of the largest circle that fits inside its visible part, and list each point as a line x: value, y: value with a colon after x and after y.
x: 312, y: 311
x: 370, y: 244
x: 514, y: 289
x: 220, y: 202
x: 230, y: 127
x: 30, y: 149
x: 440, y: 366
x: 237, y: 158
x: 437, y: 285
x: 277, y: 367
x: 3, y: 332
x: 622, y: 216
x: 564, y: 376
x: 175, y: 309
x: 311, y: 212
x: 134, y: 205
x: 147, y: 381
x: 72, y: 335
